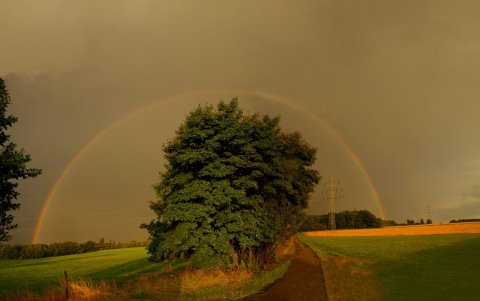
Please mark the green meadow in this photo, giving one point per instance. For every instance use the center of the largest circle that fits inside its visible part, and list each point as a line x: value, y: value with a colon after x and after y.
x: 116, y: 267
x: 391, y: 268
x: 35, y: 275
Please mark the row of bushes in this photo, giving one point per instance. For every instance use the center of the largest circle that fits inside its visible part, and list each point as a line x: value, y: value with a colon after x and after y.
x: 58, y: 249
x: 421, y: 222
x: 356, y: 219
x: 465, y: 220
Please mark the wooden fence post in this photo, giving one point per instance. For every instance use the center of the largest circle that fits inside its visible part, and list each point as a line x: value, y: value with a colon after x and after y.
x: 66, y: 285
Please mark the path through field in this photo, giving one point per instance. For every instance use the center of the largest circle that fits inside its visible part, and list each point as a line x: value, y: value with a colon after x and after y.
x: 302, y: 281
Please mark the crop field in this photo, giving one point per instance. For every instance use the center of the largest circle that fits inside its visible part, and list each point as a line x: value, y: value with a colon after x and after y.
x: 407, y: 267
x: 454, y: 228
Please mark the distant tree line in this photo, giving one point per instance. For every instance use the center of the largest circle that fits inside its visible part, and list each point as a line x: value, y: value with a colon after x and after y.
x: 421, y: 222
x: 356, y: 219
x: 59, y: 249
x: 389, y: 223
x: 465, y: 220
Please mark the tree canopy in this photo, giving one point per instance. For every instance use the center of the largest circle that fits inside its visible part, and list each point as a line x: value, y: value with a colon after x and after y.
x: 13, y: 166
x: 235, y: 186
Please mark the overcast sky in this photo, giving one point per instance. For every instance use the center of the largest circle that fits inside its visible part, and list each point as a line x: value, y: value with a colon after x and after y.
x: 396, y: 80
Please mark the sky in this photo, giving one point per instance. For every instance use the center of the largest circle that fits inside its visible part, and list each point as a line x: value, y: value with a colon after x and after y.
x: 387, y: 91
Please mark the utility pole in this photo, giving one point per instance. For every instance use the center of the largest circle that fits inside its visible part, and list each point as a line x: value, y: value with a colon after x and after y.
x: 331, y: 192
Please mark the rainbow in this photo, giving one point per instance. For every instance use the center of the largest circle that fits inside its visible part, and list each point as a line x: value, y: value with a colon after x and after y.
x: 270, y: 97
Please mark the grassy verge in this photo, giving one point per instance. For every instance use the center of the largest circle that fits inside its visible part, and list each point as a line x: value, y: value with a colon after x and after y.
x: 231, y: 290
x: 235, y: 284
x: 435, y: 267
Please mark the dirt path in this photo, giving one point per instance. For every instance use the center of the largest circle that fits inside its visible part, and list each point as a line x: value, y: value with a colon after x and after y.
x: 302, y: 281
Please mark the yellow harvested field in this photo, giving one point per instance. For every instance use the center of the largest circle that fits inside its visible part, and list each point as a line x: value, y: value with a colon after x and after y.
x: 453, y: 228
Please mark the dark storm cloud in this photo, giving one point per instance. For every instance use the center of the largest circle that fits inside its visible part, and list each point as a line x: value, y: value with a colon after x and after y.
x: 396, y: 79
x: 474, y: 192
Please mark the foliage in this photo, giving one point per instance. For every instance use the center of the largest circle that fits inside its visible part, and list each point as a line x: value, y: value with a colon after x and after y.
x: 356, y: 219
x: 389, y: 223
x: 421, y: 222
x: 361, y: 219
x: 465, y: 220
x: 234, y: 188
x: 13, y: 166
x: 314, y: 223
x: 59, y: 249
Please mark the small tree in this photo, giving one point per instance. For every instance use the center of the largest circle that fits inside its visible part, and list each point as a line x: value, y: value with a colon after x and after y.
x: 13, y: 166
x: 429, y: 221
x: 234, y: 188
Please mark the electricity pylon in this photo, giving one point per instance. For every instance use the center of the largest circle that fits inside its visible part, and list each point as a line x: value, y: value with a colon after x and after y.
x: 429, y: 211
x: 331, y: 192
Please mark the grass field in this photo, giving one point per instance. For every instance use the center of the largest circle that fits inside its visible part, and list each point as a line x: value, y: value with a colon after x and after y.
x: 425, y: 267
x: 125, y: 274
x: 36, y: 275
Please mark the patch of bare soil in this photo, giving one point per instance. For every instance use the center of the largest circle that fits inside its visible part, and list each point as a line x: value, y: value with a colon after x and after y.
x: 303, y: 280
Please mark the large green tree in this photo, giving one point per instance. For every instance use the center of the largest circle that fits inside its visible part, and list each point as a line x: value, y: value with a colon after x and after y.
x: 13, y: 166
x: 234, y: 188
